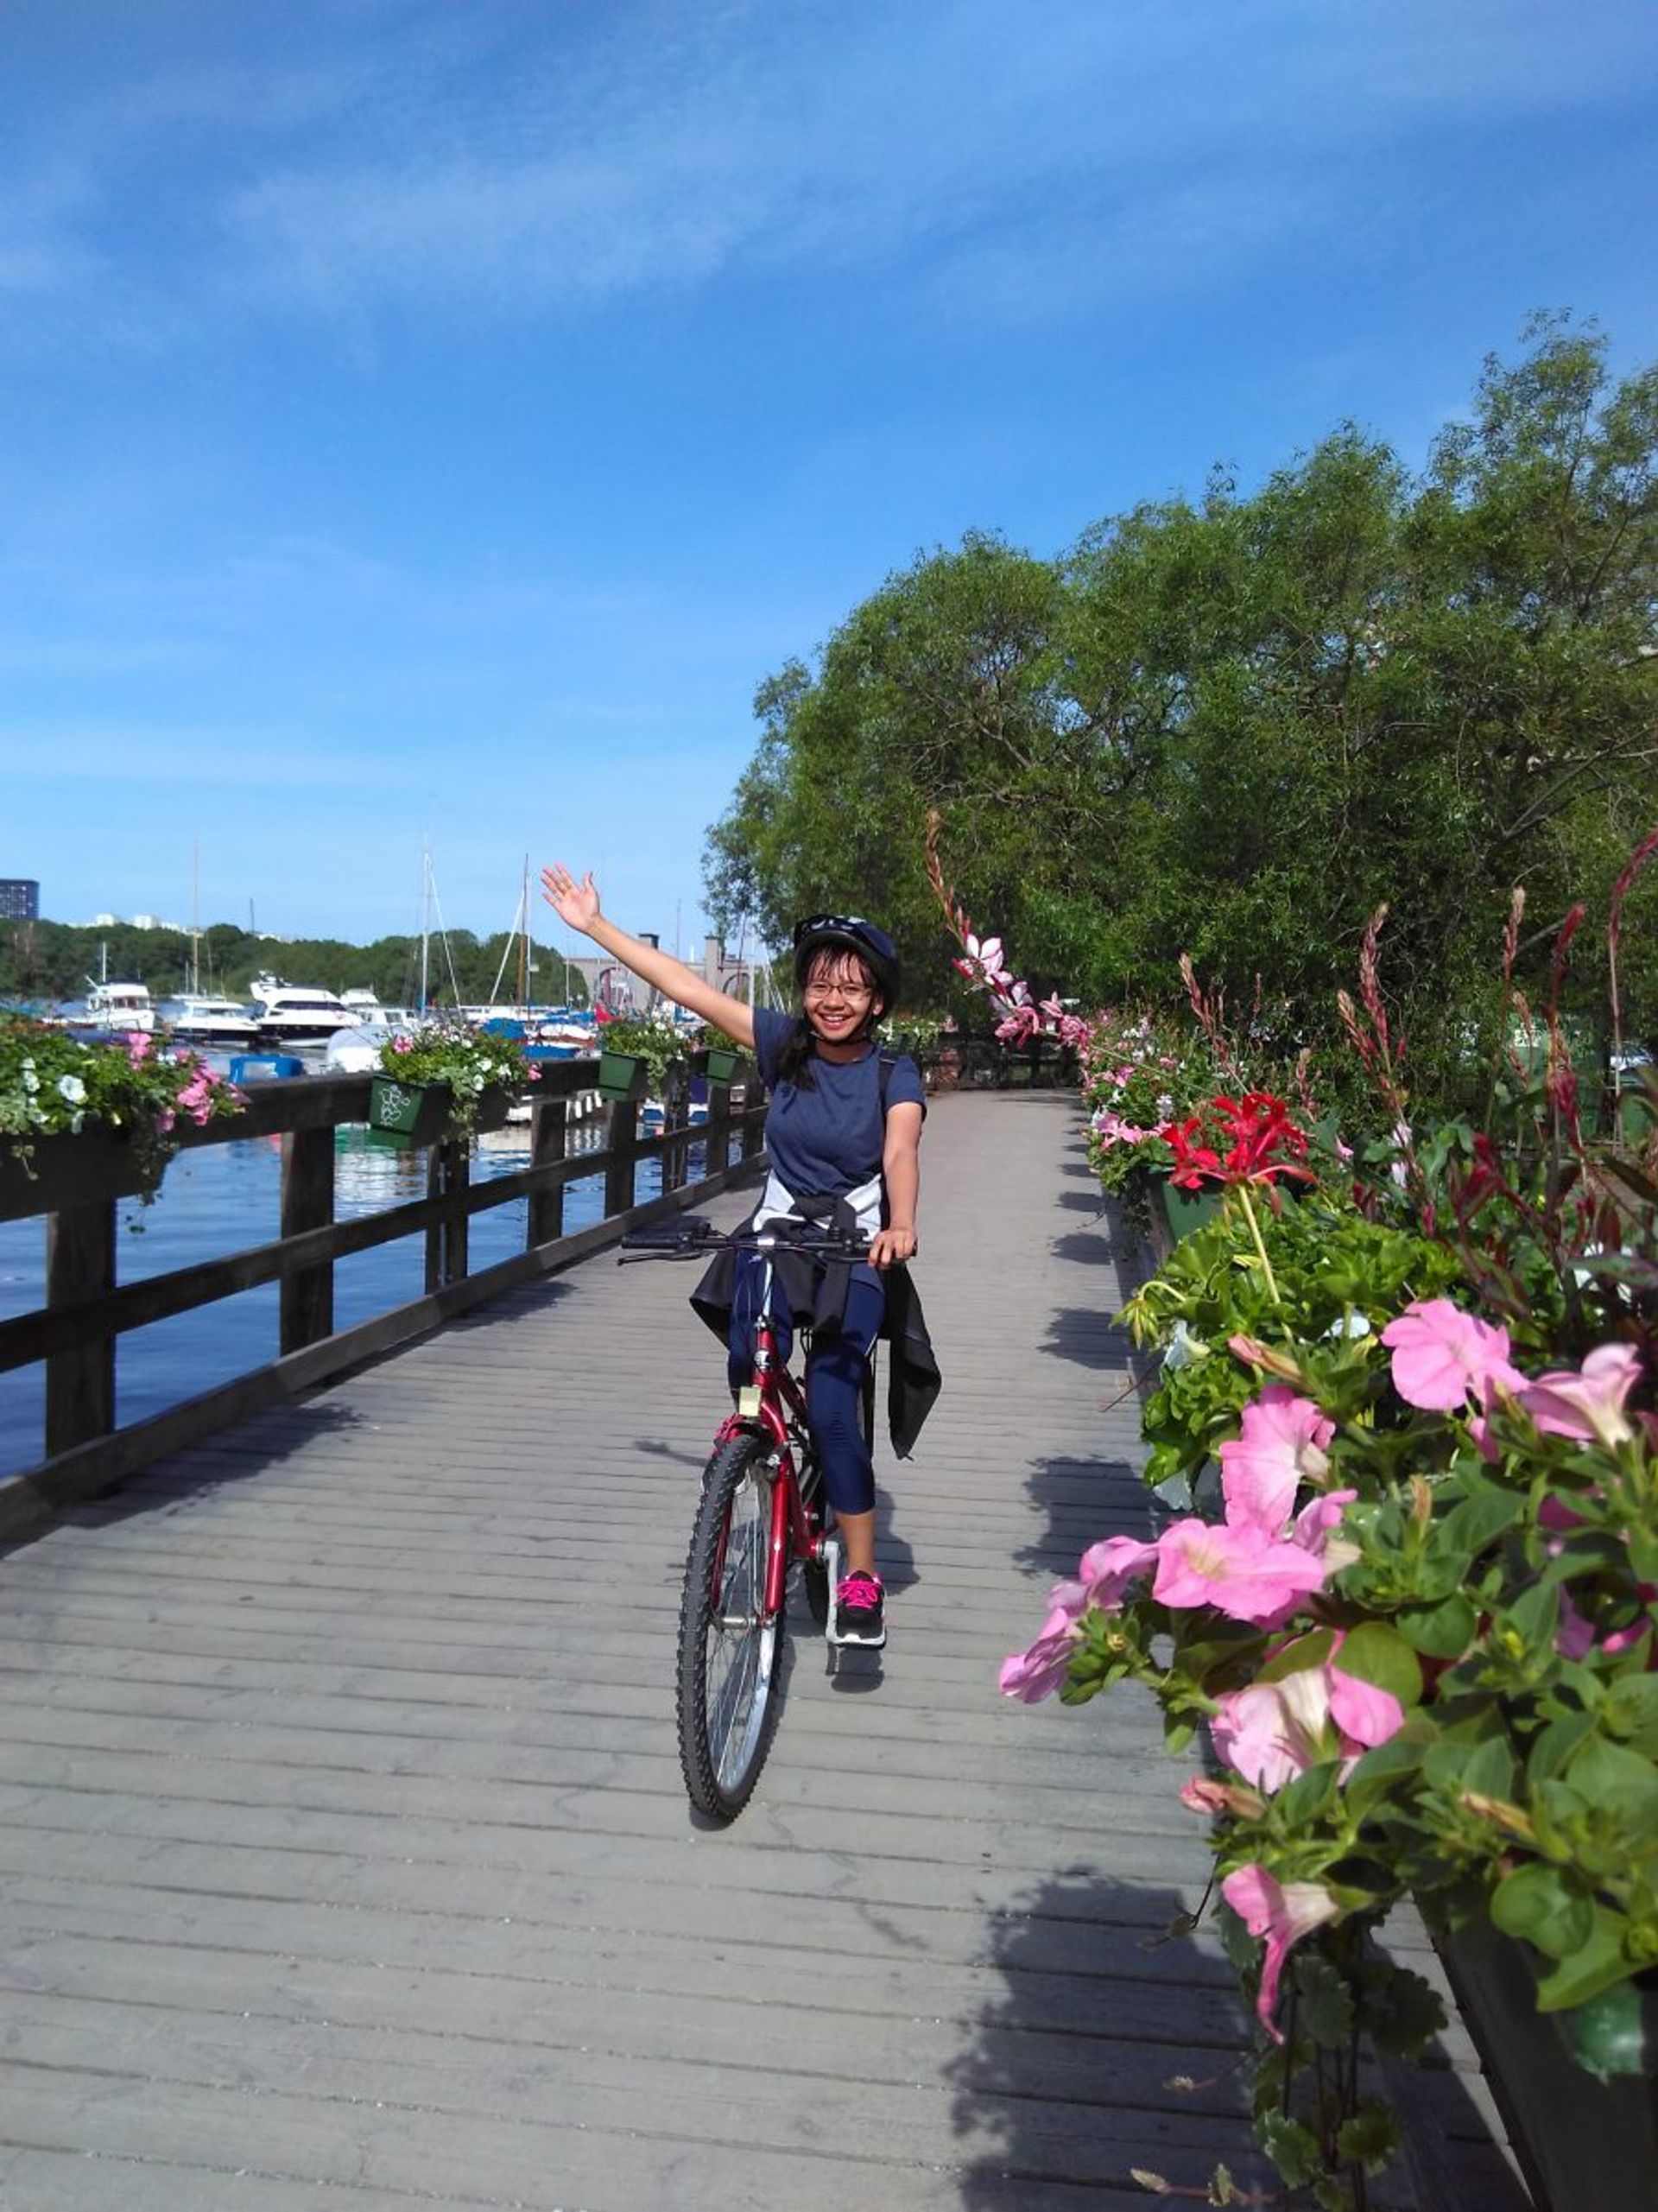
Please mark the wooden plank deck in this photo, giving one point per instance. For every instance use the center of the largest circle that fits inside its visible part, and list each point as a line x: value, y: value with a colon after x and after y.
x: 344, y: 1856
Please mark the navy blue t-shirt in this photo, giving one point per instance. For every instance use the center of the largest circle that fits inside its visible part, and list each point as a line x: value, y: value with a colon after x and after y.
x: 829, y: 1139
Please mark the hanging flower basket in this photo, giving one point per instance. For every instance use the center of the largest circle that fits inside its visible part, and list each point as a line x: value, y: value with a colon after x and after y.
x: 723, y: 1064
x: 49, y: 1175
x: 620, y: 1074
x: 405, y: 1116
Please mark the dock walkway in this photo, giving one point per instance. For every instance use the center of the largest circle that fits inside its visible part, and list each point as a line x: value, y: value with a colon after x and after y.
x: 345, y: 1862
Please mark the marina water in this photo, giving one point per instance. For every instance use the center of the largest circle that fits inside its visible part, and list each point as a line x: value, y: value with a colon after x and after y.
x: 224, y: 1198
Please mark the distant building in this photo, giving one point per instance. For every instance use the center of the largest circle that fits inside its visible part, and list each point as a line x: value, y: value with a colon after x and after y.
x: 20, y: 899
x: 599, y: 971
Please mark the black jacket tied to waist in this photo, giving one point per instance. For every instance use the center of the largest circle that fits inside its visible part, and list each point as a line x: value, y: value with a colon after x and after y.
x: 813, y: 1290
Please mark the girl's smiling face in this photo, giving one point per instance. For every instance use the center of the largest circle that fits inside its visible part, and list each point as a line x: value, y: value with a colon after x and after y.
x: 839, y: 996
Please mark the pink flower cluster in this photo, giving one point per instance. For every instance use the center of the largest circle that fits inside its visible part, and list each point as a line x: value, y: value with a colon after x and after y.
x: 981, y: 961
x: 1443, y: 1360
x: 1259, y: 1564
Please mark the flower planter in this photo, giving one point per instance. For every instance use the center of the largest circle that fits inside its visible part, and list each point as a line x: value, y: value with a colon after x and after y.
x: 1185, y: 1210
x: 722, y: 1065
x: 1580, y: 2141
x: 65, y: 1171
x: 407, y: 1116
x: 620, y: 1074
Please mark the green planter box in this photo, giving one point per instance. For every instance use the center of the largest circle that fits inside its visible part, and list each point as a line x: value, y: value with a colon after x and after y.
x: 722, y: 1065
x: 407, y: 1116
x: 1185, y: 1210
x: 1581, y: 2142
x: 618, y: 1074
x: 66, y: 1171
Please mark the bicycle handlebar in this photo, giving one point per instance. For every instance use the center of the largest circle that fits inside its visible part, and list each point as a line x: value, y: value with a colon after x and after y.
x: 692, y: 1238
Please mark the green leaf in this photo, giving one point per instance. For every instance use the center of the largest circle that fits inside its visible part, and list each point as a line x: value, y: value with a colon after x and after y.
x: 1293, y: 2148
x: 1324, y: 2003
x: 1544, y: 1905
x: 1370, y: 2138
x: 1630, y: 1709
x: 1471, y: 1525
x: 1618, y: 1780
x: 1553, y: 1744
x: 1309, y: 1651
x: 1381, y: 1774
x: 1443, y: 1631
x: 1598, y: 1965
x: 1403, y: 2013
x: 1535, y: 1615
x: 1300, y: 1803
x: 1376, y: 1653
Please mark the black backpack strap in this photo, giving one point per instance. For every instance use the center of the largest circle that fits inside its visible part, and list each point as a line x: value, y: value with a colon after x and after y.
x: 889, y: 1062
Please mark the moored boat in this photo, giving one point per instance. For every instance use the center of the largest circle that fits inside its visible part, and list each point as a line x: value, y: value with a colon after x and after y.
x: 298, y: 1013
x: 198, y: 1017
x: 123, y: 1006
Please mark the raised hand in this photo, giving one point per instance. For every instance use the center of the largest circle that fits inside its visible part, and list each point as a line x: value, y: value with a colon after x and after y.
x: 575, y: 903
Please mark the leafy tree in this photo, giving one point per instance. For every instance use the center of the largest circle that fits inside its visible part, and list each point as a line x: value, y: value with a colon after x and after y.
x: 1237, y: 725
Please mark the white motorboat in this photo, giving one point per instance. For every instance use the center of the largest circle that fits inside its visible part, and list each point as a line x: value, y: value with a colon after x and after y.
x: 368, y: 1008
x: 113, y: 1006
x: 197, y: 1017
x: 298, y: 1013
x: 355, y: 1051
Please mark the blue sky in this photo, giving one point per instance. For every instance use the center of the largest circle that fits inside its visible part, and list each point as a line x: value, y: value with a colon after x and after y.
x: 424, y: 422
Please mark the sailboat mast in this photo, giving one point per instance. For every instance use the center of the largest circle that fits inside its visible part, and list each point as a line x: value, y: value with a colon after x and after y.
x: 523, y: 956
x: 426, y: 917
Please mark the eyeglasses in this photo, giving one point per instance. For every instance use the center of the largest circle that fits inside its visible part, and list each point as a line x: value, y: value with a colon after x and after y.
x: 855, y: 991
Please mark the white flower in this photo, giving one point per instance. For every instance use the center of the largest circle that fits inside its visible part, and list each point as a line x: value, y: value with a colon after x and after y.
x: 1350, y: 1326
x: 71, y: 1088
x: 1183, y: 1349
x: 31, y: 1080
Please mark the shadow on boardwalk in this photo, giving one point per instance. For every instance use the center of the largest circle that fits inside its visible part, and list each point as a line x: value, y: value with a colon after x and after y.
x: 1077, y: 2079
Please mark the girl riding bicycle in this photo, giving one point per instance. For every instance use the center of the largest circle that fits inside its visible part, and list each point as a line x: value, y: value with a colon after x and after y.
x: 842, y: 1137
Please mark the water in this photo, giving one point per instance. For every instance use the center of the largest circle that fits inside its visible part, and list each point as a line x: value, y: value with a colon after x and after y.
x: 227, y: 1197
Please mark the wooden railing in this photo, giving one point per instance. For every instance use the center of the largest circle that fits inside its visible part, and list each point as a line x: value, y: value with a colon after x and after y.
x: 87, y: 1311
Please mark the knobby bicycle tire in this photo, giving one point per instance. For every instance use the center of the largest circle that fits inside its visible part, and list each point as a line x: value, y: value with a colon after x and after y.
x: 729, y: 1649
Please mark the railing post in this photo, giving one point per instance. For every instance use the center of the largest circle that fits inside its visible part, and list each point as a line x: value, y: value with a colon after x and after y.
x: 549, y: 1140
x: 676, y: 1107
x: 717, y: 1150
x: 80, y: 1384
x: 448, y: 1177
x: 624, y: 1147
x: 308, y: 1298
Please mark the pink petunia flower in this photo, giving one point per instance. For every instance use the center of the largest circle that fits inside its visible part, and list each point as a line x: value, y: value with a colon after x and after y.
x: 1271, y: 1732
x: 1281, y: 1447
x: 1037, y: 1672
x: 1314, y: 1529
x: 1283, y: 1913
x: 1588, y: 1404
x: 1241, y: 1571
x: 1106, y: 1569
x: 1111, y: 1130
x: 1442, y: 1356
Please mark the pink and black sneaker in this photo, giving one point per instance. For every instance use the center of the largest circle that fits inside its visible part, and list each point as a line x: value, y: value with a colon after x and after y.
x: 860, y: 1610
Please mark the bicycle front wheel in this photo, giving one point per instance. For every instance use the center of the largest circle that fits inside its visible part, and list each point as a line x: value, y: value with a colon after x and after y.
x: 728, y: 1644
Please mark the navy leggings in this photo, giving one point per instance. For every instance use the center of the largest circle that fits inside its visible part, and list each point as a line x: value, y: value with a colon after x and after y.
x: 835, y: 1368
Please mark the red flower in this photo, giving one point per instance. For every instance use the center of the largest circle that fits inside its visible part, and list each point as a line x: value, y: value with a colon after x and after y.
x: 1262, y: 1143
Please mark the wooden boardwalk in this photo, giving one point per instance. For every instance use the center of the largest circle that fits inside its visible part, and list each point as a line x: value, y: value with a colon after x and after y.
x: 344, y: 1863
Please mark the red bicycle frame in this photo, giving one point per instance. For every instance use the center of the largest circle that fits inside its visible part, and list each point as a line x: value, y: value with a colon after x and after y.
x: 774, y: 1404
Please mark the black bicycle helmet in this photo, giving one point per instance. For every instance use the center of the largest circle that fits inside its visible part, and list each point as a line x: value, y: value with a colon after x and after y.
x: 849, y: 932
